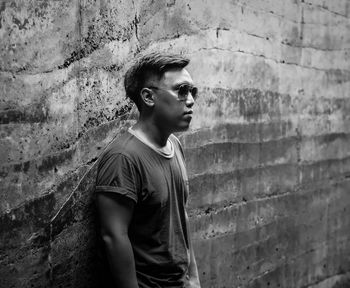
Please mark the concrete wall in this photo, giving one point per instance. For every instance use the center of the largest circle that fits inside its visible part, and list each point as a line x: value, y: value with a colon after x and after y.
x: 268, y: 152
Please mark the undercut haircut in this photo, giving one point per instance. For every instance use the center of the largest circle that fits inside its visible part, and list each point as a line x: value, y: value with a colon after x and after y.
x: 147, y: 66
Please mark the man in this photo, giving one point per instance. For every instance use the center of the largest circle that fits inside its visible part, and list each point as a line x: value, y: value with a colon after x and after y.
x: 142, y: 184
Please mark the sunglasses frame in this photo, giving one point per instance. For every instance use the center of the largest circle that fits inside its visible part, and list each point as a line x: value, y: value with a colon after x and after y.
x: 182, y: 96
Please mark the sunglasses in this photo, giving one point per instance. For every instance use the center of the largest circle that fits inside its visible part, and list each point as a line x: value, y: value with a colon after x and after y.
x: 182, y: 91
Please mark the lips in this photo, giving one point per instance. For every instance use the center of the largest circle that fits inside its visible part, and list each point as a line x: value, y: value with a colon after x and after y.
x: 188, y: 115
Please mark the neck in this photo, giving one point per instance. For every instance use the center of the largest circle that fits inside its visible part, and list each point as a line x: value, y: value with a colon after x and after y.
x: 152, y: 132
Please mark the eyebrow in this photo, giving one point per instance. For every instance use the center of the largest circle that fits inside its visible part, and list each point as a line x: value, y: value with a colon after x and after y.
x: 183, y: 83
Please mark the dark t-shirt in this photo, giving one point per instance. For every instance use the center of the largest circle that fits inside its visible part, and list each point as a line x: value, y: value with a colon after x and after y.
x: 159, y: 186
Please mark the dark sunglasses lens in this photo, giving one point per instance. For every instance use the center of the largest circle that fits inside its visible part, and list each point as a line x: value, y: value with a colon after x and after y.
x: 184, y: 90
x: 194, y: 92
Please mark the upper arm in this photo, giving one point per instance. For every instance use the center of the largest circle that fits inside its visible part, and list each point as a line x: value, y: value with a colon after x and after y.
x: 117, y: 174
x: 115, y: 213
x: 117, y: 186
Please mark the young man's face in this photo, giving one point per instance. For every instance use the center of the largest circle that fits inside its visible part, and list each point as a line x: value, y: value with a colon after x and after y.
x: 173, y: 113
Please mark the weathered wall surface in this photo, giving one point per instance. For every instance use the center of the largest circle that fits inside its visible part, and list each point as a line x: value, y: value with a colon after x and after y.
x: 268, y: 152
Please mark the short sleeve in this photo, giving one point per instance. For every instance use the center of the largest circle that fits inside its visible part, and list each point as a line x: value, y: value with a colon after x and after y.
x: 117, y: 174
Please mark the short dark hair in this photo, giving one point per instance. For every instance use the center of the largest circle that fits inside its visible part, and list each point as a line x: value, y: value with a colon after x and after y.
x: 153, y: 64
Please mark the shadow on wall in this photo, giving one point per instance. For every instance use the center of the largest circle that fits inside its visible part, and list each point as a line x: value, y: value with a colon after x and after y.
x: 76, y: 255
x: 59, y: 253
x: 74, y: 239
x: 342, y: 284
x: 50, y: 243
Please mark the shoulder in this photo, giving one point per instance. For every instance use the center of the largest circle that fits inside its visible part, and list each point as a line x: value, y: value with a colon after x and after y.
x: 122, y: 147
x: 117, y: 160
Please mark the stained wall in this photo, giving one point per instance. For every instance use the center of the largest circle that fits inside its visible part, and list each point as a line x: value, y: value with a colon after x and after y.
x: 268, y: 152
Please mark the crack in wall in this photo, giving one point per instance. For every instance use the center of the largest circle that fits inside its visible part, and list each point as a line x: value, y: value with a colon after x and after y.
x: 270, y: 12
x: 323, y: 7
x: 274, y: 60
x: 136, y: 24
x: 83, y: 53
x: 226, y: 229
x: 257, y: 36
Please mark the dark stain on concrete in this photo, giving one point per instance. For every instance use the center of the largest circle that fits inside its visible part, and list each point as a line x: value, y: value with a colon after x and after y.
x: 43, y: 164
x: 254, y: 103
x: 328, y: 138
x: 41, y: 8
x: 4, y: 171
x: 51, y: 161
x: 21, y: 167
x: 124, y: 110
x: 75, y: 56
x: 26, y: 219
x: 34, y: 113
x: 79, y: 203
x: 342, y: 105
x: 39, y: 12
x: 241, y: 184
x: 100, y: 33
x: 20, y: 25
x: 89, y: 44
x: 343, y: 283
x: 294, y: 37
x: 2, y: 9
x: 28, y: 228
x: 101, y: 117
x: 240, y: 132
x: 170, y: 3
x: 337, y: 76
x: 2, y: 6
x: 325, y: 170
x: 213, y: 155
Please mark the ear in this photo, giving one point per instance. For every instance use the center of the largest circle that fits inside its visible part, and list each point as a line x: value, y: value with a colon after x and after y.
x: 147, y: 97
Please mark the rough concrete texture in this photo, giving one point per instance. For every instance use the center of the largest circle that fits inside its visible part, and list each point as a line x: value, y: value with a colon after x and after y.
x: 268, y: 152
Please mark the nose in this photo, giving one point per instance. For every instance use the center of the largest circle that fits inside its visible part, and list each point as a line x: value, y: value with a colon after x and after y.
x: 189, y: 100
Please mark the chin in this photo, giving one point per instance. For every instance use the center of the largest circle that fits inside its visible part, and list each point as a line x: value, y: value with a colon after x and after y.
x: 183, y: 127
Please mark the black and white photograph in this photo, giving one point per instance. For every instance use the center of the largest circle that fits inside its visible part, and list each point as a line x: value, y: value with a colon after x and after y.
x: 174, y: 144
